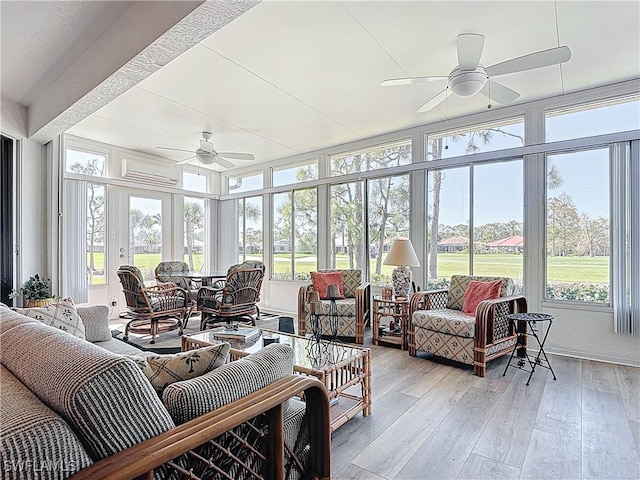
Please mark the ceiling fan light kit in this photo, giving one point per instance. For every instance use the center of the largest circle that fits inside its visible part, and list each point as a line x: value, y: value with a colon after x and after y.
x: 469, y: 77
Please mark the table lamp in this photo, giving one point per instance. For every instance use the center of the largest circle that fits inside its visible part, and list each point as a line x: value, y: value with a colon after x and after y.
x: 402, y: 255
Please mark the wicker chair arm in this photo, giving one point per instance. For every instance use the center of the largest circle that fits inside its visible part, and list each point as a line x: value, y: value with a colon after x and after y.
x: 169, y: 295
x: 491, y: 317
x: 209, y: 292
x: 428, y: 299
x: 143, y: 458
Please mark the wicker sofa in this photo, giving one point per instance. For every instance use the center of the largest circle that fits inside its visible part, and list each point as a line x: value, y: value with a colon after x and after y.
x: 438, y: 326
x: 354, y: 311
x: 69, y: 407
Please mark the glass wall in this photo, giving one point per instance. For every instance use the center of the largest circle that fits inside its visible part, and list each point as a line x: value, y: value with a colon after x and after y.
x: 347, y: 234
x: 293, y: 174
x: 371, y: 158
x: 250, y: 225
x: 194, y: 228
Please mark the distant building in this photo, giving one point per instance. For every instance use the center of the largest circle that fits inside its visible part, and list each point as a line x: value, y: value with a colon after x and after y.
x: 513, y: 244
x: 453, y: 244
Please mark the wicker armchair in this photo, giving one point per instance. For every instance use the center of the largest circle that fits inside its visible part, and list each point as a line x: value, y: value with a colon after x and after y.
x: 153, y: 310
x: 172, y: 272
x: 233, y: 298
x: 354, y: 311
x: 438, y: 326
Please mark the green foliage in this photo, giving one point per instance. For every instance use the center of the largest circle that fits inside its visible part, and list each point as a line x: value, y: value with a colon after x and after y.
x: 35, y: 288
x: 581, y: 292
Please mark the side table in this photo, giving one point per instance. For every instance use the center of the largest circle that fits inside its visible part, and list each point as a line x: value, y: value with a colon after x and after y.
x: 396, y: 310
x: 526, y: 325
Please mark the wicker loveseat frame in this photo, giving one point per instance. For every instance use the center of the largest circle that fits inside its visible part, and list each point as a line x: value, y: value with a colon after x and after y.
x: 487, y: 336
x: 242, y: 440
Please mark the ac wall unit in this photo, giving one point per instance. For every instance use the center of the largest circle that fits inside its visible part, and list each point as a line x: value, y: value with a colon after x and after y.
x: 149, y: 173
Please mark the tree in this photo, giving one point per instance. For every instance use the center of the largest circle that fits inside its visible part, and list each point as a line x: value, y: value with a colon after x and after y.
x: 594, y: 236
x: 193, y: 222
x: 562, y: 225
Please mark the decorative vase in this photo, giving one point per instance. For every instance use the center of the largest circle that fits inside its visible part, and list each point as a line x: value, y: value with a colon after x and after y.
x: 401, y: 279
x: 42, y: 302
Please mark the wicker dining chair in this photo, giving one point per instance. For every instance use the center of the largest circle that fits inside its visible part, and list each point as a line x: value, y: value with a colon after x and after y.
x: 236, y: 297
x: 153, y: 310
x: 171, y: 272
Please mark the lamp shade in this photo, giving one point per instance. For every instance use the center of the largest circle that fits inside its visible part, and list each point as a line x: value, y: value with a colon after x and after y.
x: 402, y: 254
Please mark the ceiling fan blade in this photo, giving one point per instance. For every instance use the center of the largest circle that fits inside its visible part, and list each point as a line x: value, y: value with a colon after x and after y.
x: 499, y: 93
x: 175, y: 149
x: 470, y: 46
x: 543, y: 58
x: 185, y: 160
x: 237, y: 156
x: 206, y: 146
x: 434, y: 101
x: 224, y: 163
x: 391, y: 82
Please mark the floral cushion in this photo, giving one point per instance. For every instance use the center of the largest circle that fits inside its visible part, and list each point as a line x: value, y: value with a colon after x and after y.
x: 162, y: 370
x: 451, y: 322
x: 61, y: 315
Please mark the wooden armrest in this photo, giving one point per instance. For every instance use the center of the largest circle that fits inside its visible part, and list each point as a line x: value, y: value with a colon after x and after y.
x: 426, y: 299
x: 143, y: 458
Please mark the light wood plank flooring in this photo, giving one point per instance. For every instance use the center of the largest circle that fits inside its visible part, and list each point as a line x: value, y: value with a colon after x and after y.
x: 433, y: 420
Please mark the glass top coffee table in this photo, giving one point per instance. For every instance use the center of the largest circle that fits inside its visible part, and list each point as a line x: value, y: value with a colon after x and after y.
x: 346, y: 371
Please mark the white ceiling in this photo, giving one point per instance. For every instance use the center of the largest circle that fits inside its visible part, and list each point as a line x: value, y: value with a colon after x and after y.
x: 291, y: 77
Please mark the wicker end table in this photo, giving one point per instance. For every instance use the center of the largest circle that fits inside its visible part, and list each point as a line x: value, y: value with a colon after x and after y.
x: 396, y: 310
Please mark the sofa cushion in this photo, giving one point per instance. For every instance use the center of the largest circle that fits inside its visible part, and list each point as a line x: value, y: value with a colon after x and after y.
x: 458, y: 286
x: 9, y: 319
x: 62, y: 315
x: 104, y: 397
x: 477, y: 292
x: 189, y: 399
x: 162, y: 370
x: 452, y: 322
x: 322, y: 280
x: 36, y: 442
x: 96, y: 323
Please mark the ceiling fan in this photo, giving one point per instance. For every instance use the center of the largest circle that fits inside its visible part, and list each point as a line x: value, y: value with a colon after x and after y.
x: 207, y: 155
x: 469, y: 77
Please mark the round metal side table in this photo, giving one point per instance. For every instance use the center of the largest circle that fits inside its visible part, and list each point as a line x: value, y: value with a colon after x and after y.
x: 529, y: 362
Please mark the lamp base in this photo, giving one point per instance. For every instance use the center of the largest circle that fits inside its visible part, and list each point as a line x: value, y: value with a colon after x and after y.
x: 401, y: 279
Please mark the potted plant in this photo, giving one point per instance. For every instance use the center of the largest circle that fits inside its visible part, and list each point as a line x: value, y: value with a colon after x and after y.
x: 36, y: 290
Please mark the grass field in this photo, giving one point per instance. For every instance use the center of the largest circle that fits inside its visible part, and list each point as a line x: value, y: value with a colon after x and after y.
x: 559, y: 269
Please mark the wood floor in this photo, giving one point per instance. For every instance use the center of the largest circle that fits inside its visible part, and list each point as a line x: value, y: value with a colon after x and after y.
x: 436, y: 421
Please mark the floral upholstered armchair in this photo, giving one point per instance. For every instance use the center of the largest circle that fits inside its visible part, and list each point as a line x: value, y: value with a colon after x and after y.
x: 439, y: 325
x: 354, y: 311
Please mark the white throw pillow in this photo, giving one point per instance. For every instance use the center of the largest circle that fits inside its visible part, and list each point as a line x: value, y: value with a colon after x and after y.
x: 62, y: 315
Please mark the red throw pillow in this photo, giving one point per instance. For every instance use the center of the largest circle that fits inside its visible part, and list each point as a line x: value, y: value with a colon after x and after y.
x: 321, y: 280
x: 477, y: 292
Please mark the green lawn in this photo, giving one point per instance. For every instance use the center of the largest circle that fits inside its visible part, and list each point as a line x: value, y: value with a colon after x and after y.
x: 560, y: 269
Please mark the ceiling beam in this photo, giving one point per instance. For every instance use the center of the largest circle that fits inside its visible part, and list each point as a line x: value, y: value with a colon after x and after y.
x: 145, y: 38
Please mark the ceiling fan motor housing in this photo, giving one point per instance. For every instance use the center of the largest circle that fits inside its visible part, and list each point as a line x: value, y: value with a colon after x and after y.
x: 466, y: 83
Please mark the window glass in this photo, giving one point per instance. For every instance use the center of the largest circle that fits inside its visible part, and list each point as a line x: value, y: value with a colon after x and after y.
x: 250, y: 224
x: 85, y: 163
x: 281, y: 256
x: 194, y: 228
x: 96, y: 222
x: 347, y: 247
x: 498, y: 221
x: 245, y: 183
x: 588, y: 120
x: 578, y: 239
x: 145, y: 235
x: 388, y: 218
x: 194, y: 182
x: 305, y: 238
x: 447, y: 225
x: 298, y: 173
x: 373, y: 158
x: 478, y: 138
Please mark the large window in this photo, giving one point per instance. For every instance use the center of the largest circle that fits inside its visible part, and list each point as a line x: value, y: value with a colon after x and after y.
x: 447, y: 225
x: 96, y: 221
x: 347, y: 242
x: 372, y: 158
x: 578, y: 238
x: 250, y: 225
x: 478, y: 138
x: 194, y: 227
x: 613, y: 116
x: 295, y: 234
x: 145, y: 234
x: 388, y: 218
x: 245, y: 183
x: 294, y: 174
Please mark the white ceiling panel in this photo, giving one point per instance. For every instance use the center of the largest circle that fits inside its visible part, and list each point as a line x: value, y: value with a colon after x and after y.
x: 324, y: 58
x: 203, y: 80
x: 606, y: 42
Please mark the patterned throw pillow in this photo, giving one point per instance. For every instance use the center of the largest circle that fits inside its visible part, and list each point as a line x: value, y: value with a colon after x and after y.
x: 162, y: 370
x: 321, y: 280
x: 62, y: 315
